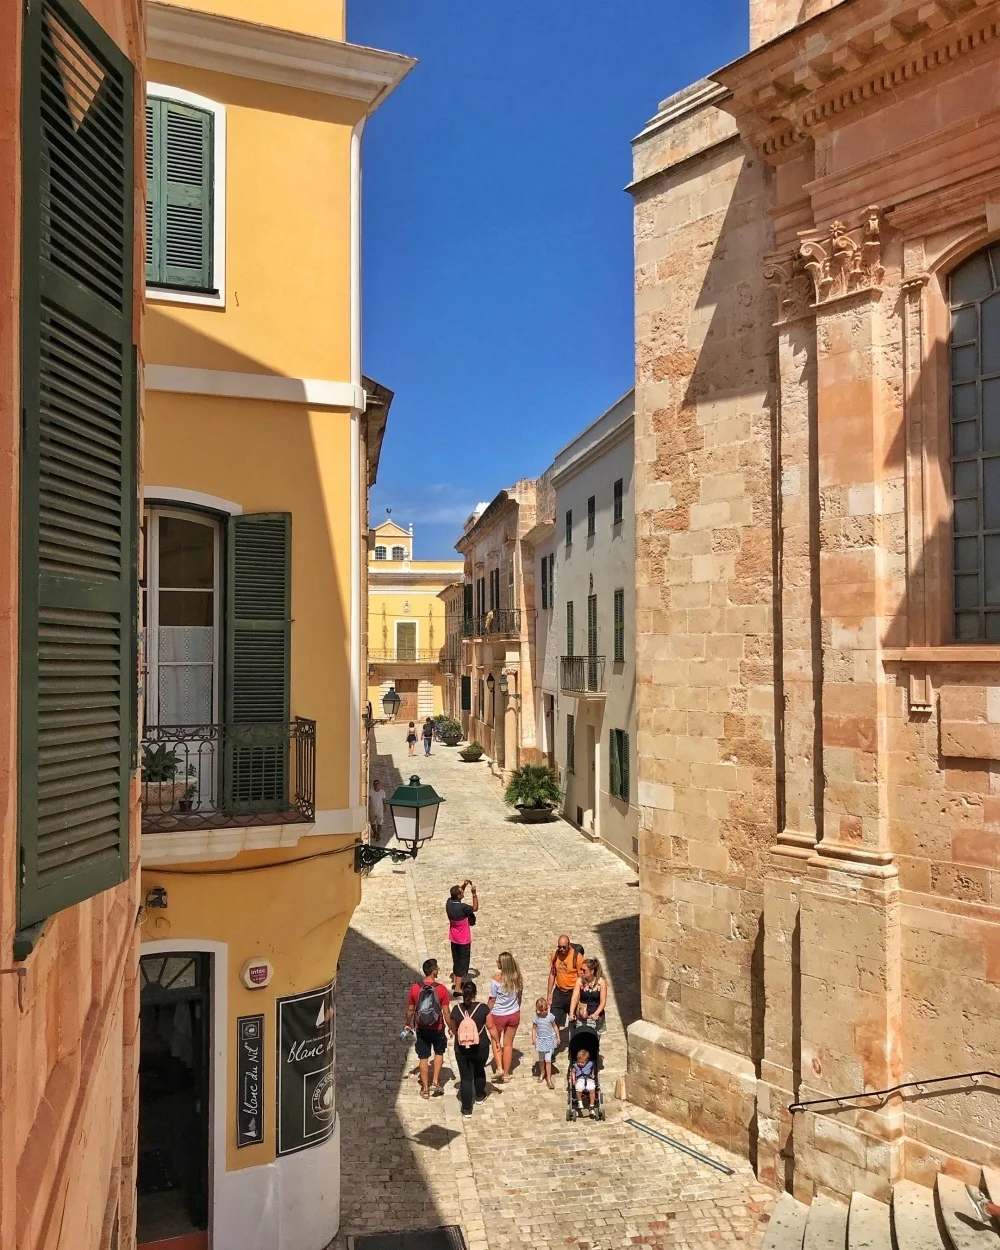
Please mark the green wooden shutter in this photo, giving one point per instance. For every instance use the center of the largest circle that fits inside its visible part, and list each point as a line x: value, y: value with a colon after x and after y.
x: 258, y: 662
x: 466, y: 694
x: 570, y: 743
x: 613, y: 763
x: 623, y: 766
x: 619, y: 626
x: 78, y: 573
x: 179, y: 183
x: 545, y: 583
x: 569, y: 627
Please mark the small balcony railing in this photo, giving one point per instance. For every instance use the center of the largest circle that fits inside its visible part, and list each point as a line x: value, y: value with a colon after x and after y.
x: 405, y: 655
x: 449, y: 664
x: 219, y: 776
x: 498, y: 623
x: 582, y: 674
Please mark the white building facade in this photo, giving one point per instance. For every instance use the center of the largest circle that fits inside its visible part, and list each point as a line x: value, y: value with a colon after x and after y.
x: 585, y: 630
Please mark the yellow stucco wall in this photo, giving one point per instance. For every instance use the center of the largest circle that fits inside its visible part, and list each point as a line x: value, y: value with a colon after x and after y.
x: 294, y: 915
x: 287, y: 186
x: 325, y: 18
x: 270, y: 457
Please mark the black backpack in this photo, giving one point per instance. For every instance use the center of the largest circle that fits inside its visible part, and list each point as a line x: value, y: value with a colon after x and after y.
x: 427, y: 1014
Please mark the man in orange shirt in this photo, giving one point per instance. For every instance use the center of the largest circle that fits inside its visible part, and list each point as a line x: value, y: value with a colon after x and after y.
x: 564, y: 968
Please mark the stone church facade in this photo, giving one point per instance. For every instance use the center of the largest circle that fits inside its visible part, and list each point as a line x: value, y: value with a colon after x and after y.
x: 817, y: 239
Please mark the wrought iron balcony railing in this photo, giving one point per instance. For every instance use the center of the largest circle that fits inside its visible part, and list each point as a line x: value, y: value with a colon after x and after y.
x: 497, y: 623
x: 449, y: 664
x: 582, y: 674
x: 219, y: 776
x: 405, y: 655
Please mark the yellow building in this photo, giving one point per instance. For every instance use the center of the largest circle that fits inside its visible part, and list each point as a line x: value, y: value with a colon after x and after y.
x: 406, y: 623
x: 257, y: 459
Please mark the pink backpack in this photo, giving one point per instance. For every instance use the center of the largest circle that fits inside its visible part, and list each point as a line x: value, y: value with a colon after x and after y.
x: 468, y: 1031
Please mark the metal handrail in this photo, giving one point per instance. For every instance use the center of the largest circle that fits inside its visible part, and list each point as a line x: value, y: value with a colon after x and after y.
x: 497, y: 621
x: 404, y: 655
x: 583, y: 674
x: 842, y: 1100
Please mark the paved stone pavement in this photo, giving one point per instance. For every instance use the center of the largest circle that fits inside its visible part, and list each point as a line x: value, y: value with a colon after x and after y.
x: 516, y: 1174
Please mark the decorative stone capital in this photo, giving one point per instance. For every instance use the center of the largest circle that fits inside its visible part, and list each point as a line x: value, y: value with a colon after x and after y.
x: 785, y: 273
x: 844, y: 259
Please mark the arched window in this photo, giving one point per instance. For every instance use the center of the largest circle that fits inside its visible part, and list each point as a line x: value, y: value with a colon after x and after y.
x: 379, y: 553
x: 974, y: 295
x: 399, y: 553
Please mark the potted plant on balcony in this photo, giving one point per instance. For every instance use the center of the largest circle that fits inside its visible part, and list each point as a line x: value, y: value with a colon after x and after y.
x: 161, y: 788
x: 450, y: 731
x: 186, y: 802
x: 534, y: 791
x: 472, y: 752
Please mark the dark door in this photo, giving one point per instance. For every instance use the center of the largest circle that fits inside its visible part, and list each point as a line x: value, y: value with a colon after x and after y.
x: 406, y: 688
x: 174, y: 1101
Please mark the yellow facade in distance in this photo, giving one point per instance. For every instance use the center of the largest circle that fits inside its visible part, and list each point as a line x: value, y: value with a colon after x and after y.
x: 255, y: 410
x: 406, y: 624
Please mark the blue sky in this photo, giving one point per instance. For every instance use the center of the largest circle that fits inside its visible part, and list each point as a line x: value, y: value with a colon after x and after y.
x: 497, y: 236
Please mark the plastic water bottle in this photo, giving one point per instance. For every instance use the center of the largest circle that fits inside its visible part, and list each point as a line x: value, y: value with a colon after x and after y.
x: 406, y: 1034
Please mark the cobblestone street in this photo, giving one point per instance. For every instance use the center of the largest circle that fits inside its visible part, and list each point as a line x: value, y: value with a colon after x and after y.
x: 516, y: 1174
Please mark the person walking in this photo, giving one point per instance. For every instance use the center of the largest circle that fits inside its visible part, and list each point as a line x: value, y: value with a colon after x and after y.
x: 461, y: 918
x: 426, y: 1011
x: 545, y: 1039
x: 411, y: 739
x: 564, y: 969
x: 590, y: 997
x: 504, y: 1003
x: 468, y: 1027
x: 376, y: 811
x: 428, y: 735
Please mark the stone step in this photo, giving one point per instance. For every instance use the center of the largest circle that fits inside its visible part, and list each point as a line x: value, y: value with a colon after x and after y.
x: 964, y: 1229
x: 991, y: 1184
x: 787, y: 1226
x: 826, y: 1228
x: 868, y: 1224
x: 914, y: 1220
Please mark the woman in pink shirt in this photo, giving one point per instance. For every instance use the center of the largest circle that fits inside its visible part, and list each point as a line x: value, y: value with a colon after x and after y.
x: 461, y: 918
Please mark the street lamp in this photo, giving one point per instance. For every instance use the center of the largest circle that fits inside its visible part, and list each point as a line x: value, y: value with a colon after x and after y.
x: 503, y: 683
x: 414, y: 810
x: 390, y: 702
x: 490, y: 683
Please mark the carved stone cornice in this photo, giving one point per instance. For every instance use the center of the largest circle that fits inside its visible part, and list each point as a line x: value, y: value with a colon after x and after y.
x: 843, y: 259
x: 785, y: 273
x: 820, y: 73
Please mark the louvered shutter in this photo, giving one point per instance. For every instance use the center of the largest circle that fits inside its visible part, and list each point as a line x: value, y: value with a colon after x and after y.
x: 179, y: 181
x: 79, y: 499
x: 258, y: 657
x: 466, y: 694
x: 623, y: 767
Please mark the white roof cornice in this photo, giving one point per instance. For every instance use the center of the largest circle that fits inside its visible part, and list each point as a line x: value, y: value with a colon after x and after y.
x: 249, y: 50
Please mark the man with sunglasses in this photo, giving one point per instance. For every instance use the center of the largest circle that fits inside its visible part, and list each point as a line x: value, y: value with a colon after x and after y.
x: 564, y: 969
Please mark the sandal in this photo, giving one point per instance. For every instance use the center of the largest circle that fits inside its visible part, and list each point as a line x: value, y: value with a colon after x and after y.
x: 425, y: 1093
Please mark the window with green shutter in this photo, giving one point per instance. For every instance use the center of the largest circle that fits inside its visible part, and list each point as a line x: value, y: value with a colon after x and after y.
x: 78, y: 595
x: 569, y: 627
x: 179, y: 195
x: 570, y: 743
x: 619, y: 626
x: 545, y: 584
x: 258, y: 661
x: 618, y: 754
x: 466, y: 693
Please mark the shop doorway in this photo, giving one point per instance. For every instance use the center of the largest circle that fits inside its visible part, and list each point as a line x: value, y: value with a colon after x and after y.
x: 406, y: 688
x: 174, y: 1101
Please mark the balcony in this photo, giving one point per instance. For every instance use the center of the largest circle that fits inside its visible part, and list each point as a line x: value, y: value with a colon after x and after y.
x: 227, y: 776
x: 498, y: 623
x: 405, y: 655
x: 582, y: 675
x: 449, y: 664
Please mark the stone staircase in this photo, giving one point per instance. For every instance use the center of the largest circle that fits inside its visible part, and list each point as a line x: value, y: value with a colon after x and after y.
x: 945, y: 1218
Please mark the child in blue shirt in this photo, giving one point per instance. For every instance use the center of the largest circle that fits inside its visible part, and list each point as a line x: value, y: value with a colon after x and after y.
x: 584, y: 1079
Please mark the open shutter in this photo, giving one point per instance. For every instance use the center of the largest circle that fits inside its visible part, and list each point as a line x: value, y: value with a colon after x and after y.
x: 154, y: 225
x: 184, y: 160
x: 78, y: 573
x: 623, y: 767
x: 466, y: 694
x: 258, y: 658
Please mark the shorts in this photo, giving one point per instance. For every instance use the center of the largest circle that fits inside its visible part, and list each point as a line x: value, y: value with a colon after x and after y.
x: 428, y: 1040
x: 584, y: 1083
x: 502, y: 1023
x: 461, y: 954
x: 545, y: 1056
x: 561, y: 1000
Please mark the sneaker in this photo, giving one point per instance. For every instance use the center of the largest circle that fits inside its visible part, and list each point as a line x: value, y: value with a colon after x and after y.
x: 466, y: 1115
x: 481, y: 1100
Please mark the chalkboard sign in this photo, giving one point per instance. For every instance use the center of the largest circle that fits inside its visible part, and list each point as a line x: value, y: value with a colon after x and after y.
x: 249, y: 1080
x: 307, y: 1038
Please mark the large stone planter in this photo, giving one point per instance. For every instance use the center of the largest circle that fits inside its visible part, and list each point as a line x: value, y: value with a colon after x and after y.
x: 471, y: 757
x: 452, y: 740
x: 534, y: 815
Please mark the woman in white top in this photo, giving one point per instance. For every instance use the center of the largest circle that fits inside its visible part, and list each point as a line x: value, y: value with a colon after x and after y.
x: 504, y: 1003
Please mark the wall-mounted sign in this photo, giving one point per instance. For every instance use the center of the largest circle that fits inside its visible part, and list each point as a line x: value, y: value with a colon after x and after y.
x: 307, y: 1039
x: 256, y: 973
x: 249, y: 1080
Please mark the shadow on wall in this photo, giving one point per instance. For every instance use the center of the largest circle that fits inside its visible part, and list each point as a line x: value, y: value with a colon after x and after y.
x: 620, y: 941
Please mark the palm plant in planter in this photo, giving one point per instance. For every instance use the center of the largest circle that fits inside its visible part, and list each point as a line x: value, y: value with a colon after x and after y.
x: 472, y: 752
x: 534, y: 791
x: 450, y: 731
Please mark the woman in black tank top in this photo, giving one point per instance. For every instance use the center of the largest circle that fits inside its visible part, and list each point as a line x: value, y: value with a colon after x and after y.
x: 590, y: 996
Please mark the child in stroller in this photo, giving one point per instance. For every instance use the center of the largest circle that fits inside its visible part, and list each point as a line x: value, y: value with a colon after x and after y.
x: 583, y: 1075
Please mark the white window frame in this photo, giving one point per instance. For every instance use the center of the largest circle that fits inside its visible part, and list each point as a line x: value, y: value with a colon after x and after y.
x: 383, y: 551
x: 400, y: 548
x: 409, y: 620
x: 216, y: 299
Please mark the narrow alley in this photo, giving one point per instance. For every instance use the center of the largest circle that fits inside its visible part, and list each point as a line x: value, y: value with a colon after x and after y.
x: 516, y: 1174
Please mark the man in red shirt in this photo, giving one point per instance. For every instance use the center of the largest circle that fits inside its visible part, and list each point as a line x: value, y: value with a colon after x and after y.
x: 427, y: 1008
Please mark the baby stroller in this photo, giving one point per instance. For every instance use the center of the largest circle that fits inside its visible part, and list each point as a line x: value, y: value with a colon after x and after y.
x: 585, y: 1038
